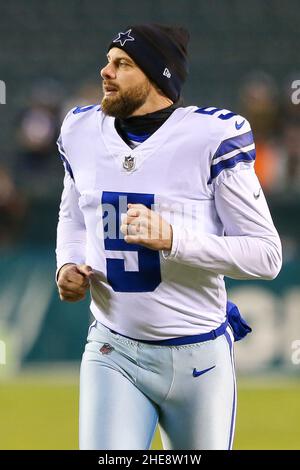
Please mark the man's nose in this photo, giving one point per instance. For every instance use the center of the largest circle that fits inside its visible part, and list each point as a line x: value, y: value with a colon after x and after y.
x: 108, y: 71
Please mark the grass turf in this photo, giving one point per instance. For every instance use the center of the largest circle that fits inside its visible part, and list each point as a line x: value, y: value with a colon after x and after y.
x: 41, y: 412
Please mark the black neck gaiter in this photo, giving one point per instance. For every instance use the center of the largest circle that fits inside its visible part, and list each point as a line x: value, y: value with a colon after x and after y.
x: 145, y: 125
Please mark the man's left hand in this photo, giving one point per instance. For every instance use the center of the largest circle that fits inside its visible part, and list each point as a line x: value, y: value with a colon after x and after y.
x: 145, y: 227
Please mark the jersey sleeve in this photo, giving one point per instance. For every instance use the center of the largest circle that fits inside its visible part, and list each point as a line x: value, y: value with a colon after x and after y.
x: 64, y: 157
x: 235, y: 151
x: 71, y: 230
x: 250, y: 247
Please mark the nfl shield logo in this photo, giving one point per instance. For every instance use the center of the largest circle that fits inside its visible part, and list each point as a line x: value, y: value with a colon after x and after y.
x: 106, y: 348
x: 128, y: 163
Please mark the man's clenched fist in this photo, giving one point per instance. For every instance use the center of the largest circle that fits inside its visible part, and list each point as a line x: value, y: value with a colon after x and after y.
x: 73, y: 281
x: 146, y: 227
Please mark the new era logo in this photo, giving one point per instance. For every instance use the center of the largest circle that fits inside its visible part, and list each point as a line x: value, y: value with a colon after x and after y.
x: 167, y: 73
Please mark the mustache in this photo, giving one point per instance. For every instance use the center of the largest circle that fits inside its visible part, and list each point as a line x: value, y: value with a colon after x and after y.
x: 109, y: 86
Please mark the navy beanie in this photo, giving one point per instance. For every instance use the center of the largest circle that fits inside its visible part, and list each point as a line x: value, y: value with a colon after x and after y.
x: 160, y: 51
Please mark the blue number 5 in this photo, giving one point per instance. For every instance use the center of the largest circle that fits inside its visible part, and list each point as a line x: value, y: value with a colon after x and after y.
x: 148, y: 277
x: 210, y: 112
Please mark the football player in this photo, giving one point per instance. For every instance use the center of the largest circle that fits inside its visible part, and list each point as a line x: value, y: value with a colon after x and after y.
x: 160, y: 202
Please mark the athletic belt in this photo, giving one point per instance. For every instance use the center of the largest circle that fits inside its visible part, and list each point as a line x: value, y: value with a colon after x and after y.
x: 184, y: 339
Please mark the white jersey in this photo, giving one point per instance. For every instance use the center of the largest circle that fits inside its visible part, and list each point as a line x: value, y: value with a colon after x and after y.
x: 197, y: 170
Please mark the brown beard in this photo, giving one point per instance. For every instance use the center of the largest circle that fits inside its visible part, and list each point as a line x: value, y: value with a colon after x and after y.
x: 126, y: 102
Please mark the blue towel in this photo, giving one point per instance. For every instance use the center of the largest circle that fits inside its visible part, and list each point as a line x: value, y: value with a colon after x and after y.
x: 239, y: 326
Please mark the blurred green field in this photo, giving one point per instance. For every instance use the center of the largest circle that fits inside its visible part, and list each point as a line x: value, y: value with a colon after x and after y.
x: 40, y: 411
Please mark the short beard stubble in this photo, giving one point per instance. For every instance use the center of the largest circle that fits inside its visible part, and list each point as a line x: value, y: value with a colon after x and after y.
x: 125, y: 103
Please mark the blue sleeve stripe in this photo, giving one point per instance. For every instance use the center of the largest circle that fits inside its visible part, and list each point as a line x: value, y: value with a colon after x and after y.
x: 83, y: 109
x: 63, y: 156
x: 67, y: 166
x: 231, y: 163
x: 234, y: 143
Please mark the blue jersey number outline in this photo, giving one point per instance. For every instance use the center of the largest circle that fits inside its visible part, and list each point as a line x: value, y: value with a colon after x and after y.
x: 148, y: 277
x: 210, y: 112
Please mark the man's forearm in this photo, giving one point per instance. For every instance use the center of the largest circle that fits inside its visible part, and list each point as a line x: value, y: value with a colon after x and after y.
x: 71, y: 230
x: 238, y: 257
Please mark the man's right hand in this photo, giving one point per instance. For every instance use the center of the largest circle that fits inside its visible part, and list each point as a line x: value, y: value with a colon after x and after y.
x: 73, y: 281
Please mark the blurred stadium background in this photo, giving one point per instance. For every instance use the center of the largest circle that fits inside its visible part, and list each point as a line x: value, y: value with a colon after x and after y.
x: 245, y: 57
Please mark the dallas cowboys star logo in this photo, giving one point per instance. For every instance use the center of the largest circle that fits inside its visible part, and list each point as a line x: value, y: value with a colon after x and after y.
x: 123, y: 37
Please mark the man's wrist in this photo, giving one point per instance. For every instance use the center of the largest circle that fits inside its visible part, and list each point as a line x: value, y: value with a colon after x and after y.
x: 168, y: 242
x: 173, y: 247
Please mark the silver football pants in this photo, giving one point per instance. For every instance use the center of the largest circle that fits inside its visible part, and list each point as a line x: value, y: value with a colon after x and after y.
x: 128, y: 387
